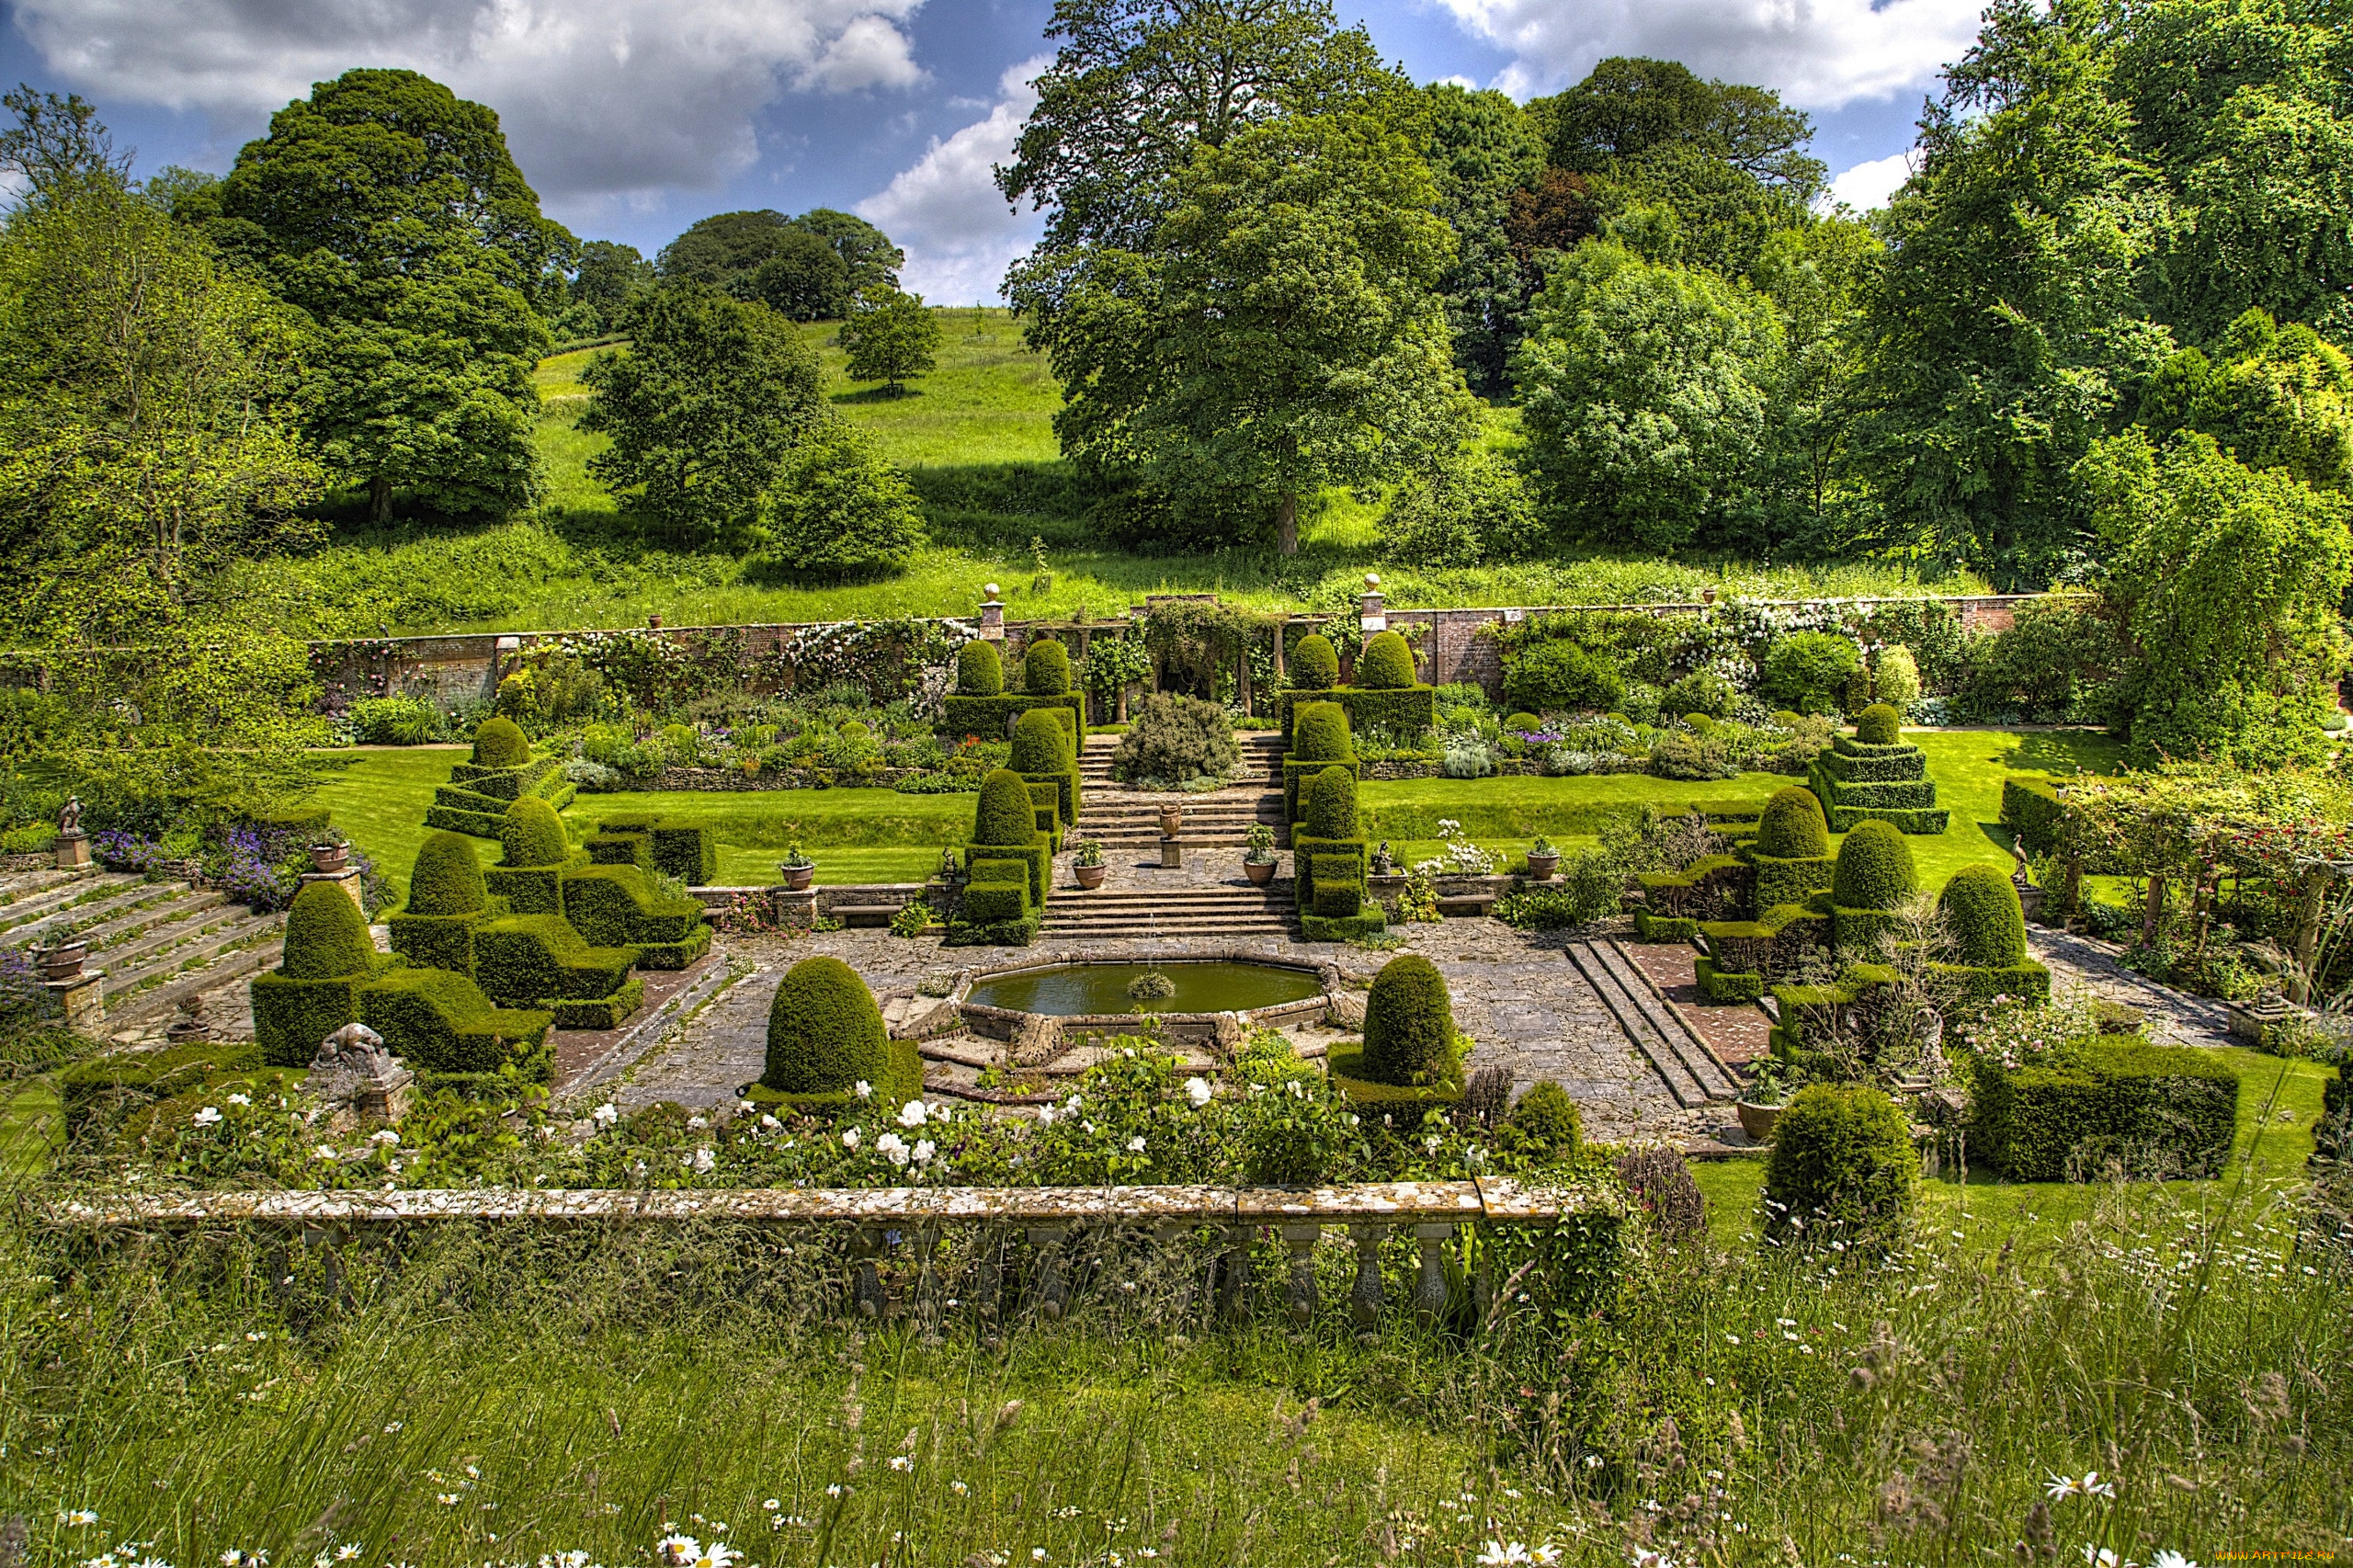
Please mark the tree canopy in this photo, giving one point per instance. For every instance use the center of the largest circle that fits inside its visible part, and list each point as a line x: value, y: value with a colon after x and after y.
x: 813, y: 268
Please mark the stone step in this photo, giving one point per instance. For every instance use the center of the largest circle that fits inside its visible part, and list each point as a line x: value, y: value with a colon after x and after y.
x: 1690, y: 1072
x: 104, y: 939
x: 99, y: 920
x: 164, y: 997
x: 171, y: 949
x: 15, y: 885
x: 1697, y: 1057
x: 55, y: 896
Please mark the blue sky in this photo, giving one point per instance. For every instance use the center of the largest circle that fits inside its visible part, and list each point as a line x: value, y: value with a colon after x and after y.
x: 634, y: 117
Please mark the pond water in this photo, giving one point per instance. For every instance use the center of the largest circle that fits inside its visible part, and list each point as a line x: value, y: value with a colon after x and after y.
x: 1064, y: 990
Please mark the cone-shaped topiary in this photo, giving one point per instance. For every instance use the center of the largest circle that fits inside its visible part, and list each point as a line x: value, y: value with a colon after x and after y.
x: 1876, y: 725
x: 1988, y: 927
x: 1040, y: 744
x: 1314, y: 666
x: 531, y: 834
x: 1386, y: 664
x: 1005, y: 814
x: 326, y: 937
x: 1045, y: 668
x: 1874, y: 868
x: 825, y: 1031
x: 1319, y: 732
x: 1545, y: 1123
x: 1791, y: 827
x: 980, y: 670
x: 447, y: 879
x: 500, y: 743
x: 1328, y: 801
x: 1409, y: 1024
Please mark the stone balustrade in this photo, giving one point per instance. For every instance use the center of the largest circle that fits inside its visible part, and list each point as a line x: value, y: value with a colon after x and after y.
x: 910, y: 1221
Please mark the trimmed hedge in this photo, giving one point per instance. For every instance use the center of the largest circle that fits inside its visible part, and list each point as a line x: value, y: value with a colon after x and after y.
x: 445, y: 877
x: 1719, y: 987
x: 1385, y: 663
x: 1306, y: 851
x: 292, y: 1017
x: 609, y: 849
x: 1409, y: 1026
x: 599, y: 1012
x: 902, y: 1081
x: 1878, y: 725
x: 1405, y: 711
x: 530, y: 890
x: 500, y: 743
x: 980, y: 669
x: 1349, y: 1075
x: 540, y: 959
x: 326, y: 937
x: 1329, y: 803
x: 1338, y: 884
x: 1906, y: 765
x: 682, y: 849
x: 615, y: 906
x: 1988, y: 927
x: 1792, y: 827
x: 674, y: 955
x: 1314, y: 665
x: 1787, y: 881
x: 1315, y: 928
x: 439, y: 1022
x: 2031, y: 809
x: 1665, y: 928
x: 532, y: 835
x: 1982, y: 985
x: 1874, y: 868
x: 1296, y: 774
x: 1843, y: 1163
x: 824, y: 1032
x: 992, y: 718
x: 990, y: 904
x: 2162, y: 1109
x: 1039, y: 745
x: 1004, y: 813
x: 1045, y: 668
x: 1320, y: 733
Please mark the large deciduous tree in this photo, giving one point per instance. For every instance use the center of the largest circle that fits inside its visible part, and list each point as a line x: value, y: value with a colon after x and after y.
x: 813, y: 268
x: 1285, y: 335
x: 389, y: 210
x: 711, y: 395
x: 1645, y: 389
x: 890, y: 338
x: 1482, y: 154
x: 2272, y: 398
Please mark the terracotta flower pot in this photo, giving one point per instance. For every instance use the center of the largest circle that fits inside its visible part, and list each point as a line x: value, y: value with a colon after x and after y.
x: 1089, y: 876
x: 63, y: 961
x: 798, y: 878
x: 1172, y: 820
x: 1758, y: 1120
x: 1260, y: 872
x: 330, y: 858
x: 1541, y: 867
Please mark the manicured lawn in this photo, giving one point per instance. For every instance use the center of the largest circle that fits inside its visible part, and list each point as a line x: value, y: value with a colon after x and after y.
x: 855, y: 835
x: 379, y: 795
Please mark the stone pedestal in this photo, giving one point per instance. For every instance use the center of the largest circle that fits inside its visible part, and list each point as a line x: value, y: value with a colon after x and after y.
x: 1373, y: 612
x: 992, y: 615
x: 1172, y: 853
x: 72, y: 850
x: 2249, y: 1020
x: 79, y: 998
x: 347, y: 880
x: 360, y: 1080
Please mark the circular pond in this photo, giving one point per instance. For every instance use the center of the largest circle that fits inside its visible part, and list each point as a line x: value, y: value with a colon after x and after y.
x: 1077, y: 990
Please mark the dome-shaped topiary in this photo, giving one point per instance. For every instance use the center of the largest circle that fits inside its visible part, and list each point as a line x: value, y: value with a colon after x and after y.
x: 1329, y: 803
x: 1386, y: 664
x: 1005, y: 814
x: 1319, y: 732
x: 447, y: 879
x: 1843, y: 1164
x: 326, y: 937
x: 1045, y: 668
x: 856, y: 730
x: 1876, y: 725
x: 1040, y: 744
x: 1545, y: 1124
x: 1409, y: 1024
x: 1524, y: 723
x: 825, y: 1031
x: 500, y: 743
x: 1313, y: 666
x: 1874, y: 868
x: 1988, y: 927
x: 531, y: 834
x: 980, y: 670
x: 1791, y: 827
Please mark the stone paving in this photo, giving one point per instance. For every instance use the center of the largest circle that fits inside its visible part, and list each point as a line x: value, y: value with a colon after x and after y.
x: 2174, y: 1017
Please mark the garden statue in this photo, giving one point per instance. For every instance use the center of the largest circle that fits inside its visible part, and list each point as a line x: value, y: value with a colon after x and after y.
x: 69, y: 818
x: 353, y: 1068
x: 191, y: 1025
x: 1383, y: 864
x: 73, y: 844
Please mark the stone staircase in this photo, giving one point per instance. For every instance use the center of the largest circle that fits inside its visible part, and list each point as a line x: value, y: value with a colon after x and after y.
x: 1124, y: 821
x: 157, y: 941
x: 1691, y: 1071
x: 1228, y: 909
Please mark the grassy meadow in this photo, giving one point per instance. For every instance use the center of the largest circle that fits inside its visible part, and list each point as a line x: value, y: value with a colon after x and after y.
x: 976, y: 437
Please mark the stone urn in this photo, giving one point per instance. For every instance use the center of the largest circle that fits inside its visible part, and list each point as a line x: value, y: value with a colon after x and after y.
x: 63, y: 961
x: 798, y: 878
x: 1089, y: 877
x: 1260, y: 872
x: 1541, y: 868
x: 329, y: 858
x: 1758, y: 1120
x: 1172, y: 820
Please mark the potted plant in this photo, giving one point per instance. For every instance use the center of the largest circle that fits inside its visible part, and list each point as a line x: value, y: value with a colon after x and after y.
x: 1258, y: 859
x: 1771, y: 1082
x: 798, y: 869
x: 1087, y: 862
x: 330, y: 857
x: 1543, y: 859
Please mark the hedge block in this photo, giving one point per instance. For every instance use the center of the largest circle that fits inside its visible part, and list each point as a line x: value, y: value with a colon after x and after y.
x: 529, y: 890
x: 1861, y: 930
x: 435, y: 941
x: 1781, y: 881
x: 613, y: 906
x: 1338, y: 881
x: 674, y: 955
x: 2030, y: 807
x: 1911, y: 795
x: 989, y: 902
x: 1723, y: 988
x: 602, y: 1012
x: 1349, y: 1075
x: 1066, y: 798
x: 292, y: 1017
x: 2164, y: 1107
x: 1295, y: 772
x: 437, y: 1021
x: 539, y: 958
x: 1407, y: 710
x: 1307, y: 851
x: 991, y: 717
x: 1038, y: 857
x: 622, y: 849
x: 1315, y: 928
x: 1911, y: 766
x: 1927, y: 823
x: 472, y: 824
x: 1979, y: 986
x: 1665, y: 928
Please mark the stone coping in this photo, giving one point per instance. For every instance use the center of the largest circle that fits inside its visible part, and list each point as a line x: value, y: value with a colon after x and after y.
x: 1488, y: 1199
x: 988, y: 1020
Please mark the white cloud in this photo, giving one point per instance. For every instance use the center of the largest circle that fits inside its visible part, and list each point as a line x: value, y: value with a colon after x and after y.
x: 946, y: 211
x: 1822, y: 54
x: 598, y: 97
x: 1867, y: 186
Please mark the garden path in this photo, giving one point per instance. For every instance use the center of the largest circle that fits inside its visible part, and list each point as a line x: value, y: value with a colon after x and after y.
x: 2175, y: 1017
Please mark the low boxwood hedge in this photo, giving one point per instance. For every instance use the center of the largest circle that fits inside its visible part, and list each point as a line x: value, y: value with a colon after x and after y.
x: 537, y: 959
x: 1842, y: 1163
x: 87, y: 1085
x: 824, y: 1032
x: 438, y: 1022
x: 2030, y: 807
x: 614, y: 907
x: 1406, y: 712
x: 2163, y: 1111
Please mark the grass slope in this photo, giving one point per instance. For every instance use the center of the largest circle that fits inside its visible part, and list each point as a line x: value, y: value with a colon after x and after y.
x: 976, y: 437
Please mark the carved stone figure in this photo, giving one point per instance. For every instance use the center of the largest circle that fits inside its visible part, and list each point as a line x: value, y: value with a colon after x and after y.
x: 354, y: 1068
x: 69, y: 818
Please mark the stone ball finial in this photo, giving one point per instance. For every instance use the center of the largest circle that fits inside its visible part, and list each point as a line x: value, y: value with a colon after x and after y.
x: 1373, y: 582
x: 991, y: 591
